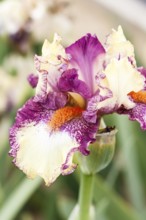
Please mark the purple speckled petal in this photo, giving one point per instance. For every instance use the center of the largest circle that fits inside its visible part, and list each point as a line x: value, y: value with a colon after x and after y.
x: 36, y: 111
x: 83, y: 131
x: 86, y: 56
x: 55, y: 100
x: 138, y: 113
x: 90, y: 114
x: 30, y: 112
x: 143, y: 72
x: 93, y: 111
x: 69, y: 82
x: 33, y: 80
x: 39, y: 150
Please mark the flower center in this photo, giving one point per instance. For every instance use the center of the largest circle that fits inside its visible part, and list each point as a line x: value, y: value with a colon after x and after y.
x: 139, y: 97
x: 63, y: 115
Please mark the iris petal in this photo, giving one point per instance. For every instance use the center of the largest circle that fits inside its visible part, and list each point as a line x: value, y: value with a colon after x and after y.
x: 40, y: 150
x: 69, y: 82
x: 138, y: 113
x: 121, y: 78
x: 33, y: 80
x: 117, y: 46
x: 142, y: 70
x: 86, y: 56
x: 50, y: 66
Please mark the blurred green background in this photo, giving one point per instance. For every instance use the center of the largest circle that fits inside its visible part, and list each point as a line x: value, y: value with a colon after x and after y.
x: 120, y: 190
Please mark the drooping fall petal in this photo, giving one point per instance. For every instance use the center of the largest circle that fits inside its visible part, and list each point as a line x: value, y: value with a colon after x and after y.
x: 44, y: 141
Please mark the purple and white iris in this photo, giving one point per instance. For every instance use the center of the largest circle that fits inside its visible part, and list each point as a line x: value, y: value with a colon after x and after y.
x: 75, y: 87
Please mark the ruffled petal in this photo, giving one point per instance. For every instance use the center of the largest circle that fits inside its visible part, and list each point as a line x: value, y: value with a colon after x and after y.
x: 41, y: 88
x: 47, y: 80
x: 121, y: 78
x: 93, y: 112
x: 117, y: 46
x: 41, y: 152
x: 52, y: 53
x: 55, y: 100
x: 138, y: 113
x: 33, y: 80
x: 142, y: 70
x: 36, y: 111
x: 41, y: 149
x: 82, y: 131
x: 87, y: 57
x: 69, y: 82
x: 50, y: 66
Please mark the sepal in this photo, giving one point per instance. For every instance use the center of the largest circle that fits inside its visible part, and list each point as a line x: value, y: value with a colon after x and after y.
x: 101, y: 152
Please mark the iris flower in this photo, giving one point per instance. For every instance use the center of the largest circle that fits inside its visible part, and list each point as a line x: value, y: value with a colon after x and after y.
x: 75, y: 87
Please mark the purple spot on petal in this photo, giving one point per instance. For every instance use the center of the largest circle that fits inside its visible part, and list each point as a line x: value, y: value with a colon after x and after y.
x: 33, y: 80
x: 82, y: 131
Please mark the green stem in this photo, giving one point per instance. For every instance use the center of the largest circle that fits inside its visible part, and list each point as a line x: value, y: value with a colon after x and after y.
x: 85, y: 196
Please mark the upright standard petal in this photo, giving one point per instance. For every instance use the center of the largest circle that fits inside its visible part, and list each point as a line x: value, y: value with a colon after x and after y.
x: 121, y: 78
x: 50, y: 66
x: 87, y: 57
x: 117, y: 46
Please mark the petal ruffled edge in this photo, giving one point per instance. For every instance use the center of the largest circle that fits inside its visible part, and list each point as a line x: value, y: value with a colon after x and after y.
x: 31, y: 130
x: 38, y: 151
x: 82, y: 131
x: 69, y: 82
x: 142, y: 70
x: 138, y: 113
x: 33, y: 80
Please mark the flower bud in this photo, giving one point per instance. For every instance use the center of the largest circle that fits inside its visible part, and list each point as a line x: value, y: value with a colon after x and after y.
x: 101, y: 152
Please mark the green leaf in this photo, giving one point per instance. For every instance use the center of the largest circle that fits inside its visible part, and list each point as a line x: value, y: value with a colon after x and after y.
x: 114, y: 206
x: 129, y: 143
x: 18, y: 198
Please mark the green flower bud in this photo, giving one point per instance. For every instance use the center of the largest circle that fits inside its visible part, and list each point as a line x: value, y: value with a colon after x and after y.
x: 101, y: 152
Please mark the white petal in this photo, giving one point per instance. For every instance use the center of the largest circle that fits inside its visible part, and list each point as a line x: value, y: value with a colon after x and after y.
x: 41, y: 152
x: 119, y: 46
x: 116, y: 37
x: 51, y: 51
x: 41, y: 89
x: 122, y: 78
